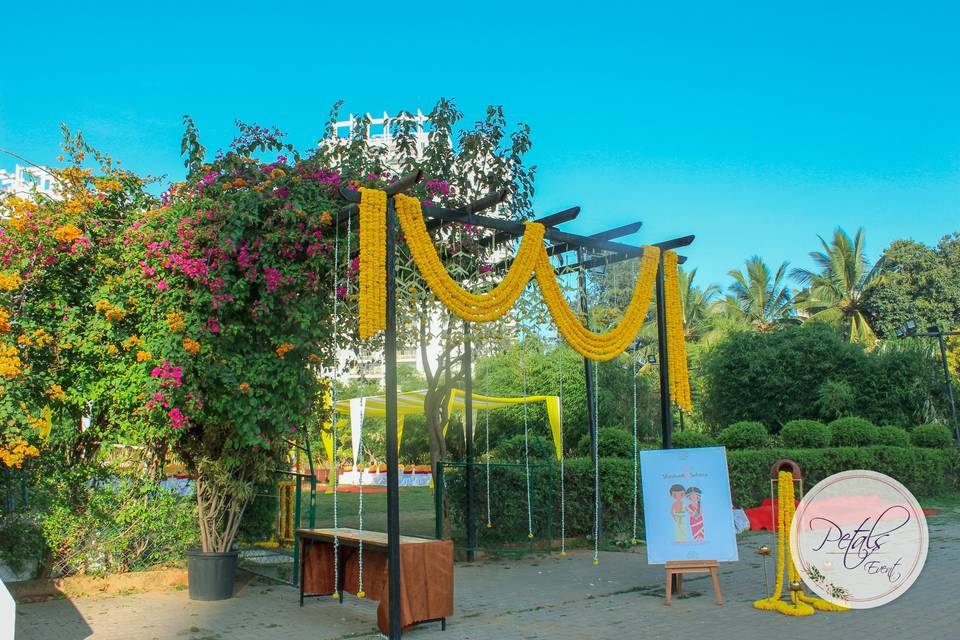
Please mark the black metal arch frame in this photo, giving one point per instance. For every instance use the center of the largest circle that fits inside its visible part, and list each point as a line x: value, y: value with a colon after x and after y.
x: 504, y: 230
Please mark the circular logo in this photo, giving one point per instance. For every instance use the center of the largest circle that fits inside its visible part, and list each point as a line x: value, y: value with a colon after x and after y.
x: 859, y: 539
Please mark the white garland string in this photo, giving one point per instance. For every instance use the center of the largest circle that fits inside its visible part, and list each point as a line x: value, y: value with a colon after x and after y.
x: 563, y: 497
x: 596, y: 467
x: 526, y: 437
x: 636, y: 458
x: 486, y: 417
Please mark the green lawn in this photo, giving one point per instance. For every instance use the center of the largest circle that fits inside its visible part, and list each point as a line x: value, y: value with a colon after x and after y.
x: 416, y: 510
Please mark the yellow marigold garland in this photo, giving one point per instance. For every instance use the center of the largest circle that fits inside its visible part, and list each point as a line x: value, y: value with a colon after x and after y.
x: 800, y: 604
x: 531, y: 257
x: 483, y: 307
x: 373, y: 261
x: 597, y: 346
x: 676, y: 349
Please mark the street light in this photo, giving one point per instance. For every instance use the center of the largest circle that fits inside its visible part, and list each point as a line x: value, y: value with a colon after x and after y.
x: 909, y: 330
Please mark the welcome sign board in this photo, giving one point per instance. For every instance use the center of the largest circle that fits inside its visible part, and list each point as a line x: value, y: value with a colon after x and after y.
x: 687, y: 510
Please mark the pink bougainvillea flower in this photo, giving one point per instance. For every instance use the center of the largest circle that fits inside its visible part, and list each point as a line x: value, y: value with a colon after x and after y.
x: 178, y: 419
x: 213, y: 326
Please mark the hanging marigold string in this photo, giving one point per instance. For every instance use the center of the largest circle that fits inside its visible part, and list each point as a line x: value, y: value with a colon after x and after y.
x: 676, y: 349
x: 800, y: 604
x: 531, y: 258
x: 373, y: 261
x: 597, y: 346
x: 483, y: 307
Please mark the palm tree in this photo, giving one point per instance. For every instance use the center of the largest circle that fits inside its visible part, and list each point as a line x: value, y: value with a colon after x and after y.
x: 695, y: 303
x: 758, y: 297
x: 836, y: 291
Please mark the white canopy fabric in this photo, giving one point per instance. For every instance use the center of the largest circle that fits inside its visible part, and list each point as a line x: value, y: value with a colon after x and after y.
x: 411, y: 403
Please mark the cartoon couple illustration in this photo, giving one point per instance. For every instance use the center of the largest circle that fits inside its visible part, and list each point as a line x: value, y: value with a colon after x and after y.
x: 680, y: 512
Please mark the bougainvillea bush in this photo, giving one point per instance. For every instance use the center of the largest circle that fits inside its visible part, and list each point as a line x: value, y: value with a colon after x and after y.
x: 237, y: 263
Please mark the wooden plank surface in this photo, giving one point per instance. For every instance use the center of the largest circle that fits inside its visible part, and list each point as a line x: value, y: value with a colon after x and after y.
x: 346, y: 534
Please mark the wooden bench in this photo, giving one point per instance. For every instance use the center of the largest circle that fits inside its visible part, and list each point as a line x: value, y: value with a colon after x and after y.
x: 680, y: 567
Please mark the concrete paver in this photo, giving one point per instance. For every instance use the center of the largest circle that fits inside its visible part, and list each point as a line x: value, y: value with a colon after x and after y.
x: 532, y: 598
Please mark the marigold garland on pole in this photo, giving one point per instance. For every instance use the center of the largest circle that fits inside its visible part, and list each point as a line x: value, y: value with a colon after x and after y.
x: 676, y: 349
x: 373, y: 261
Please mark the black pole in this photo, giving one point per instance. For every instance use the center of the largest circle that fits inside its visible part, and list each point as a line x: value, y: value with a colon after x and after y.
x: 946, y: 378
x: 393, y: 458
x: 666, y: 415
x: 468, y: 426
x: 588, y: 373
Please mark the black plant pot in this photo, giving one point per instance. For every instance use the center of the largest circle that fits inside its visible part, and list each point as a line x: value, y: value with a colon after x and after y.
x: 211, y: 574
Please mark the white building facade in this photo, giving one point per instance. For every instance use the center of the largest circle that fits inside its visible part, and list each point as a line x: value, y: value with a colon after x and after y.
x: 26, y: 182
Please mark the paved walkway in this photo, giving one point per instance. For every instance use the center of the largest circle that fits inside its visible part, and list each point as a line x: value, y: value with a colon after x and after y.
x: 548, y: 597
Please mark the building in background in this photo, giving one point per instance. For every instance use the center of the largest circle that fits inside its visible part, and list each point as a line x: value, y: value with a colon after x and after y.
x: 27, y: 181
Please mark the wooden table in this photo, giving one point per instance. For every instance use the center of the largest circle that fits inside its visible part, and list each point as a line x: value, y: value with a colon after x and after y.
x: 426, y: 572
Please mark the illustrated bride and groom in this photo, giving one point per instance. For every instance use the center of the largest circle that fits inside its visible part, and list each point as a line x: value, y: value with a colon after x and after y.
x: 687, y: 518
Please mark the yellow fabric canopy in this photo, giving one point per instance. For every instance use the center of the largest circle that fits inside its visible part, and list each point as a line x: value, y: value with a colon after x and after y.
x: 411, y: 403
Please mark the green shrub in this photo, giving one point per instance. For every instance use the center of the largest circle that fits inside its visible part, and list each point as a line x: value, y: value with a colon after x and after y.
x: 924, y: 472
x: 21, y: 541
x: 692, y: 440
x: 893, y: 436
x: 260, y: 517
x: 805, y: 434
x: 512, y: 449
x: 125, y: 526
x: 852, y: 432
x: 933, y: 436
x: 611, y: 442
x: 744, y: 435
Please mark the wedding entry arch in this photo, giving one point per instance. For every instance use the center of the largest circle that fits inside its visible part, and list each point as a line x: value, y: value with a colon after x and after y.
x: 380, y: 211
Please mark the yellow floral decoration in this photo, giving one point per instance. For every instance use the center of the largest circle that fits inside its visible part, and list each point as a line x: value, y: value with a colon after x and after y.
x: 531, y: 259
x: 597, y: 346
x: 483, y: 307
x: 800, y: 603
x: 676, y: 349
x: 373, y: 262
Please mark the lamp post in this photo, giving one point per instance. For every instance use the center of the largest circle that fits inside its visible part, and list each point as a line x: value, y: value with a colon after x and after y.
x: 909, y: 330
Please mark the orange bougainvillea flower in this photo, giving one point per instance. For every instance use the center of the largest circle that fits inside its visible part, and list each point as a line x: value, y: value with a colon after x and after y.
x: 131, y: 342
x: 56, y: 392
x: 244, y: 386
x: 143, y: 356
x: 4, y: 320
x: 326, y: 218
x: 67, y: 233
x: 191, y: 345
x: 10, y: 281
x: 284, y: 348
x: 112, y: 349
x: 175, y: 322
x: 10, y: 363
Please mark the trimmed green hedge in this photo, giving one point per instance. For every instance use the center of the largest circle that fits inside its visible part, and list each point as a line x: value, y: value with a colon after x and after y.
x: 893, y: 436
x: 806, y: 434
x: 692, y: 440
x: 934, y: 436
x: 924, y: 471
x: 744, y: 435
x: 852, y: 432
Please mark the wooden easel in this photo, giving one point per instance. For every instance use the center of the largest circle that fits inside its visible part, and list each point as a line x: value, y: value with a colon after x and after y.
x: 680, y: 567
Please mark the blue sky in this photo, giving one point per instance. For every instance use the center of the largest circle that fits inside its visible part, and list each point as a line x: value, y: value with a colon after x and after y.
x: 754, y: 125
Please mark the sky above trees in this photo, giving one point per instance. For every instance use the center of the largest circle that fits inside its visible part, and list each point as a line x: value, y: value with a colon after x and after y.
x: 755, y: 126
